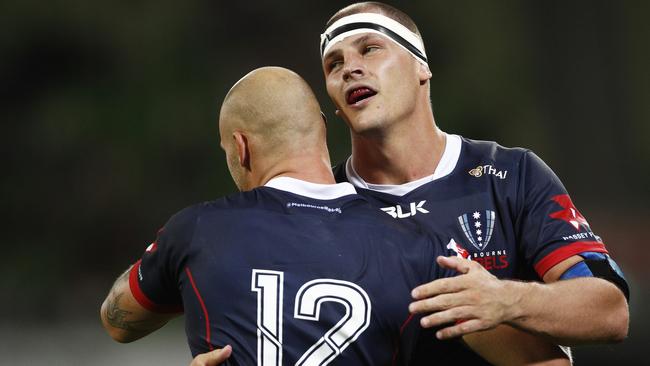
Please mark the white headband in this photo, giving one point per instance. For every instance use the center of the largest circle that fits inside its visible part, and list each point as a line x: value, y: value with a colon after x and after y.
x: 373, y: 23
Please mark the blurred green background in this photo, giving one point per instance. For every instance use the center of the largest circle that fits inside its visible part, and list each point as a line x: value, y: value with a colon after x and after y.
x: 109, y: 125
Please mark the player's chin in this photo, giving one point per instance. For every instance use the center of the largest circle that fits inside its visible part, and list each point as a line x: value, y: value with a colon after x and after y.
x: 365, y: 124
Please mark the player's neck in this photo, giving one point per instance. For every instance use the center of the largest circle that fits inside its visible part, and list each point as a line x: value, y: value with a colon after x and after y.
x: 399, y: 156
x: 313, y: 167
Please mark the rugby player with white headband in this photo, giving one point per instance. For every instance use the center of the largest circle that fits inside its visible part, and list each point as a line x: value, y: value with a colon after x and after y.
x: 500, y: 207
x: 503, y: 208
x: 373, y: 23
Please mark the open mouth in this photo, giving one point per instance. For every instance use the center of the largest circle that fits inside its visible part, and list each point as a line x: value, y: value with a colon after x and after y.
x: 359, y: 94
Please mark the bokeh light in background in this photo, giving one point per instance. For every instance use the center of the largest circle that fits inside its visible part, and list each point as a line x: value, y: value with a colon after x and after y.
x: 109, y: 116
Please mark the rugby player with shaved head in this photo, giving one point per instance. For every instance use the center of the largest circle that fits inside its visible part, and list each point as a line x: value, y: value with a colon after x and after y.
x: 294, y: 269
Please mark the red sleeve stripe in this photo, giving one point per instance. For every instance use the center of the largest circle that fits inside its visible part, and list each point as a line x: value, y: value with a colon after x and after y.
x: 562, y: 253
x: 142, y: 299
x: 205, y: 310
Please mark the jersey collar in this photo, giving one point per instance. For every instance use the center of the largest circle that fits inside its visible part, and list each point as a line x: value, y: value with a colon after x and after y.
x: 445, y: 166
x: 311, y: 190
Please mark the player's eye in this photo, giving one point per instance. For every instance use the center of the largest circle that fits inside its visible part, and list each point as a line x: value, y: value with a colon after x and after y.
x: 335, y: 64
x: 370, y: 49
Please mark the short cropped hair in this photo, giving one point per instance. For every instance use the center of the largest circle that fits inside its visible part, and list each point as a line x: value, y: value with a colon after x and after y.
x: 376, y: 7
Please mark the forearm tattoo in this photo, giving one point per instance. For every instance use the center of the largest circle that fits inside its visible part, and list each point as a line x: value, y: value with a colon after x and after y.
x: 119, y: 318
x: 116, y: 316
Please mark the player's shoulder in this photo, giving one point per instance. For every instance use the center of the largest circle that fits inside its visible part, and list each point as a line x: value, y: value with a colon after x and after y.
x: 492, y: 150
x: 255, y: 198
x: 271, y: 200
x: 490, y: 154
x: 184, y: 218
x: 223, y: 204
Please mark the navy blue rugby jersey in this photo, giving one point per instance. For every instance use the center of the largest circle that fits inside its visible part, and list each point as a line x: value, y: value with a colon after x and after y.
x: 290, y: 272
x: 503, y: 207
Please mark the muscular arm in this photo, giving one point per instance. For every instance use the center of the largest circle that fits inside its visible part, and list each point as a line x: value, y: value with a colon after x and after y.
x: 575, y: 311
x: 124, y: 318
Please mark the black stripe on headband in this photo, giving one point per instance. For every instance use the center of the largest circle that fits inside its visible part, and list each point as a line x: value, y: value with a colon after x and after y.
x: 396, y: 37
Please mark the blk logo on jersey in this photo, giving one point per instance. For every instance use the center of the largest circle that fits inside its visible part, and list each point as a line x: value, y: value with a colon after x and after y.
x: 398, y: 213
x: 569, y: 213
x: 478, y: 227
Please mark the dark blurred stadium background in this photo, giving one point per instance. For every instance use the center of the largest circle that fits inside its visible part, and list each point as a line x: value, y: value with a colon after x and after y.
x: 109, y: 114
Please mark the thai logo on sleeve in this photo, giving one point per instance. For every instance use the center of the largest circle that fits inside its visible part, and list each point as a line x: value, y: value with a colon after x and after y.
x: 478, y: 227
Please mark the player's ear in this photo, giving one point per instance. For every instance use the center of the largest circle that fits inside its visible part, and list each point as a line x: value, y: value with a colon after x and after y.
x: 424, y: 73
x: 243, y: 152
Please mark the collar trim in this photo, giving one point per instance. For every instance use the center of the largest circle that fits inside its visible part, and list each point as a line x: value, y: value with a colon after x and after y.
x: 446, y: 165
x: 311, y: 190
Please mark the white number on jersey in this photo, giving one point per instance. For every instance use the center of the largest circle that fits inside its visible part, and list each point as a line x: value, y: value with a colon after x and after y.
x: 269, y: 288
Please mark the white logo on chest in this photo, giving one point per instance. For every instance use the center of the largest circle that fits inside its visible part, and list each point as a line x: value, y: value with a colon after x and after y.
x: 398, y: 213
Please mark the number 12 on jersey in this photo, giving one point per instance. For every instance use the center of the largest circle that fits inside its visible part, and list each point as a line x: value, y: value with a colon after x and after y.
x: 269, y: 286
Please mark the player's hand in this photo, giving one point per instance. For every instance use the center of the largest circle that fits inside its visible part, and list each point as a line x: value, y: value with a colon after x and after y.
x: 473, y: 301
x: 212, y: 358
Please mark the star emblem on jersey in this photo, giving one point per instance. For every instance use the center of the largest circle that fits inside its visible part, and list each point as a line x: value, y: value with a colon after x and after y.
x: 478, y: 227
x: 570, y: 213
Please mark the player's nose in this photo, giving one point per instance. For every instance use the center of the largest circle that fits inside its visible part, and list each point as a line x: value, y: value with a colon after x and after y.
x: 353, y: 67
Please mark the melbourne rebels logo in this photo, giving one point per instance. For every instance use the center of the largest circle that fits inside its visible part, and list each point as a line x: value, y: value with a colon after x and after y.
x: 478, y: 227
